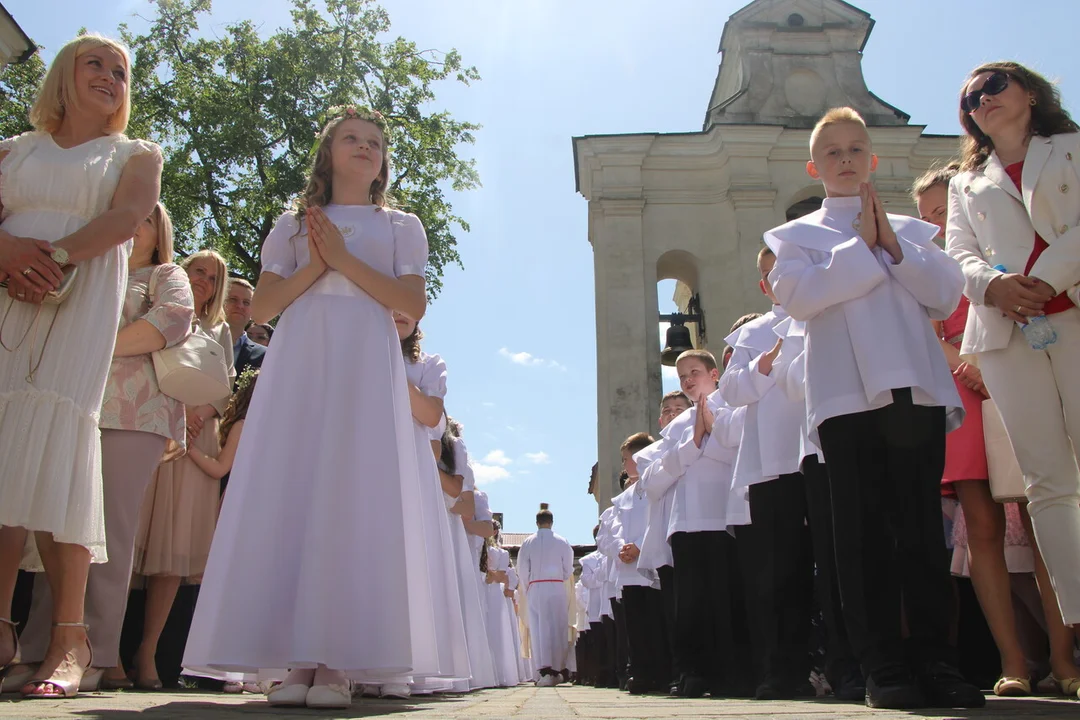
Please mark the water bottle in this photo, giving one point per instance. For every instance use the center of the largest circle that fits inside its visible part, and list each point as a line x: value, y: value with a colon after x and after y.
x: 1038, y: 330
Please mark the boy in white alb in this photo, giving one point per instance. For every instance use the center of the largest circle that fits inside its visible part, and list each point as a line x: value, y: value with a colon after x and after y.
x: 655, y: 561
x: 545, y: 564
x: 649, y: 667
x: 775, y: 550
x: 880, y: 398
x: 593, y: 575
x: 696, y: 458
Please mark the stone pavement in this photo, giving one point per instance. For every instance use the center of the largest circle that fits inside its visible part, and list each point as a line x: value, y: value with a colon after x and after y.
x: 530, y: 703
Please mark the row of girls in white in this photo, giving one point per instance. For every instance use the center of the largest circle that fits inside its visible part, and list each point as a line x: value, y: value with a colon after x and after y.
x: 339, y: 556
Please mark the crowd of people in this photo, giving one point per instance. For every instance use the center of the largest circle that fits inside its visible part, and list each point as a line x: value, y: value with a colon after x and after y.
x: 785, y: 535
x: 792, y: 501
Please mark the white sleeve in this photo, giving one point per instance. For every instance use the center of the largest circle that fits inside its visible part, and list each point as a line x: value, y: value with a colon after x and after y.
x: 279, y: 250
x: 742, y: 384
x: 410, y: 244
x: 933, y: 278
x: 805, y: 288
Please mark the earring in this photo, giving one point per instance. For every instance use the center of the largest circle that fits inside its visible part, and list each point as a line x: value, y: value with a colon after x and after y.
x: 1032, y: 101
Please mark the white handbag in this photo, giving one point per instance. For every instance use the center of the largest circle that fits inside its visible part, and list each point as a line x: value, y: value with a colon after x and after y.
x: 1006, y: 479
x: 195, y: 371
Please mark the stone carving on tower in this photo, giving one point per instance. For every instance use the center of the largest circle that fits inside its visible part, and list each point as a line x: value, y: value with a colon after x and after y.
x: 693, y: 206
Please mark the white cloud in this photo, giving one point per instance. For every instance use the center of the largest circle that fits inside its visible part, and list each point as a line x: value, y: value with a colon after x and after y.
x: 530, y: 360
x: 538, y: 458
x: 497, y: 457
x: 488, y: 404
x: 486, y: 474
x: 669, y: 373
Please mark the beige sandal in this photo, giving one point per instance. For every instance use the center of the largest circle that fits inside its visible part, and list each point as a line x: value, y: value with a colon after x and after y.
x: 1012, y: 687
x: 66, y: 678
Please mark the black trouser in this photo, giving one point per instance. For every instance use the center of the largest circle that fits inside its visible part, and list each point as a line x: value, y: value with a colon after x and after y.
x: 885, y: 470
x: 646, y: 634
x: 622, y: 646
x: 581, y: 655
x: 839, y: 659
x: 610, y: 662
x: 603, y: 668
x: 667, y: 592
x: 703, y: 604
x: 778, y: 573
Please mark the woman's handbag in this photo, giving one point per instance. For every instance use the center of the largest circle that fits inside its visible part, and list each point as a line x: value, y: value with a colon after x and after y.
x: 195, y: 371
x: 1006, y: 479
x: 53, y: 297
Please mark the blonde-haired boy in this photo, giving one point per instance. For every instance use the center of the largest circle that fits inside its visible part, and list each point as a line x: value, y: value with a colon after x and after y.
x: 880, y: 398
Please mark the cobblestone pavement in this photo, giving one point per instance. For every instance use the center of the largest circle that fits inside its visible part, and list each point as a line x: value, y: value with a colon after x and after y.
x: 528, y: 702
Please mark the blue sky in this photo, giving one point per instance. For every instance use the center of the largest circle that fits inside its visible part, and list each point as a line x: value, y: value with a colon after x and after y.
x: 516, y: 327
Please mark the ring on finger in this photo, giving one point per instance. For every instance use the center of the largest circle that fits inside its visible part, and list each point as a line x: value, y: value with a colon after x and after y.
x: 27, y: 271
x: 1019, y: 308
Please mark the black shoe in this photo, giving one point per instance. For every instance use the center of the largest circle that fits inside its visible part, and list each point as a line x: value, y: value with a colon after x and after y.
x: 775, y: 688
x: 945, y: 687
x: 895, y: 689
x: 693, y: 686
x: 637, y: 686
x: 850, y: 687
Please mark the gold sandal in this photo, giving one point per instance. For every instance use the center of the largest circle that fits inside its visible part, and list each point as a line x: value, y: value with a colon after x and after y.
x: 1012, y: 687
x: 66, y: 677
x: 1069, y: 687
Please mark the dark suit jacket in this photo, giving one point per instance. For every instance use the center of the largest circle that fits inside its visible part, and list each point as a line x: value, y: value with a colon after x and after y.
x: 250, y: 355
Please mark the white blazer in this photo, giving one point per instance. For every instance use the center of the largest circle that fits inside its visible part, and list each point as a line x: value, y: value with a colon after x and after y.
x: 992, y: 223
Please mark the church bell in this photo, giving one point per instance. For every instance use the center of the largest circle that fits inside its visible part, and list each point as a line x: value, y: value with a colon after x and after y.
x: 678, y: 342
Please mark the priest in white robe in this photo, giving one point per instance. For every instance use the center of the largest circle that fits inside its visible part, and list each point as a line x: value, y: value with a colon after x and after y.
x: 546, y: 568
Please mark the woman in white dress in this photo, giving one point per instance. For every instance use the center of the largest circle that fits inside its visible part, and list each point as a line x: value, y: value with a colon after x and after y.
x: 458, y: 478
x: 319, y: 562
x: 73, y: 193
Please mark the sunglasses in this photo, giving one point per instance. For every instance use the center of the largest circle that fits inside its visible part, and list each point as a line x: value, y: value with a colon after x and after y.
x: 994, y: 85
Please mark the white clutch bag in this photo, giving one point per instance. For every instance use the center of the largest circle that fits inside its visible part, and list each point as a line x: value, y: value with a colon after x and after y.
x: 193, y: 372
x: 1006, y: 480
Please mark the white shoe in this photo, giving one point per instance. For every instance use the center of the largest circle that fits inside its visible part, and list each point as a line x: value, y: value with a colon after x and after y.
x: 329, y: 696
x: 546, y: 681
x: 559, y: 679
x: 368, y: 690
x: 394, y: 691
x: 288, y: 695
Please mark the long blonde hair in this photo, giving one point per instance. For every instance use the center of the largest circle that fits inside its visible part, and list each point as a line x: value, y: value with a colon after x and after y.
x: 163, y: 252
x: 58, y: 90
x: 320, y: 184
x: 213, y: 313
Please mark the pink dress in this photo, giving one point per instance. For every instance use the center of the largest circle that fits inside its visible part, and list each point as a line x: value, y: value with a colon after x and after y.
x: 965, y: 448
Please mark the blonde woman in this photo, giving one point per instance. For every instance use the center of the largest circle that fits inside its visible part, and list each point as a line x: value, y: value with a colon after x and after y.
x: 137, y: 420
x: 181, y: 508
x: 74, y: 192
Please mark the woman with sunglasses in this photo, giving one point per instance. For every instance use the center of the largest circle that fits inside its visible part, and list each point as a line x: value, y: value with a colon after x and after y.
x: 1016, y: 205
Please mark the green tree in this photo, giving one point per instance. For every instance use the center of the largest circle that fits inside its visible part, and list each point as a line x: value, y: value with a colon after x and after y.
x: 18, y: 88
x: 237, y: 114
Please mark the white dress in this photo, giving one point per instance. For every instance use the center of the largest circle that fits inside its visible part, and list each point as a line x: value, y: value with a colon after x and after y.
x: 499, y: 617
x: 50, y: 477
x: 319, y: 555
x: 467, y: 566
x: 428, y: 374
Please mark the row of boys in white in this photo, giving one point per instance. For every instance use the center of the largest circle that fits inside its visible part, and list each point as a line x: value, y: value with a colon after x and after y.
x: 765, y: 424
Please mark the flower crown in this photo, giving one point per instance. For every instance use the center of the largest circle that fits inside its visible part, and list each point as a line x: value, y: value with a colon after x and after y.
x: 350, y: 112
x: 247, y: 378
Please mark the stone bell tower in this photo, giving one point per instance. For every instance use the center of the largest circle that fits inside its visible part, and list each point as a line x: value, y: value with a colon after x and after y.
x: 693, y: 206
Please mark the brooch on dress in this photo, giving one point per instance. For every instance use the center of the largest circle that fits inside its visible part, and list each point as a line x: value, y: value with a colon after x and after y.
x: 346, y: 231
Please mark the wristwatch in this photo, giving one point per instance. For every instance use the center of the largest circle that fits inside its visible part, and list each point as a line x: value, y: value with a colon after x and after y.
x: 60, y: 256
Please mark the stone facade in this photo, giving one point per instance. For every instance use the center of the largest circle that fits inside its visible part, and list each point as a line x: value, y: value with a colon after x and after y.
x: 693, y: 206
